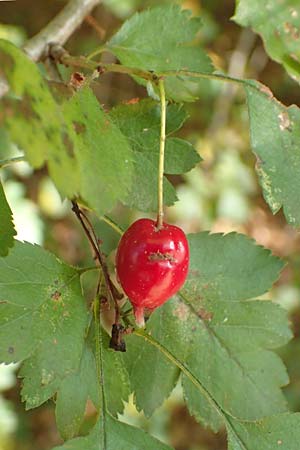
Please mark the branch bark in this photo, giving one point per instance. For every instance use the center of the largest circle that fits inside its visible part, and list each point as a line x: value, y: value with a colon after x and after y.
x: 58, y: 31
x: 60, y: 28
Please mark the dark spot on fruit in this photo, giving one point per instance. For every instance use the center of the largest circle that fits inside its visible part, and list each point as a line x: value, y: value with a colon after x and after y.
x: 11, y: 350
x: 56, y: 296
x: 158, y: 256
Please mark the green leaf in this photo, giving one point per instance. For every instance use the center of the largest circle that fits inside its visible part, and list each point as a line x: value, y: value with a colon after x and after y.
x: 34, y: 120
x: 180, y: 156
x: 152, y: 387
x: 278, y: 24
x: 70, y: 408
x: 276, y: 432
x: 162, y: 39
x: 228, y: 267
x: 140, y: 123
x: 86, y: 154
x: 7, y: 230
x: 42, y: 319
x: 117, y: 385
x: 226, y: 272
x: 219, y: 337
x: 104, y: 157
x: 112, y: 381
x: 114, y: 435
x: 73, y: 394
x: 275, y: 134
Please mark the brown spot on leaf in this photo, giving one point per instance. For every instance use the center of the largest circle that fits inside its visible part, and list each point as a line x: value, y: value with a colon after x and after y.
x: 266, y: 91
x: 56, y: 296
x: 291, y: 30
x: 60, y: 91
x: 68, y: 143
x: 205, y: 315
x: 7, y: 62
x: 25, y: 107
x: 194, y: 273
x: 11, y: 350
x: 182, y: 312
x: 79, y: 127
x: 284, y: 121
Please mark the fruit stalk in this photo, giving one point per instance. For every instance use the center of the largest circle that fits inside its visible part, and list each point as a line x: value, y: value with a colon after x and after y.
x: 160, y: 186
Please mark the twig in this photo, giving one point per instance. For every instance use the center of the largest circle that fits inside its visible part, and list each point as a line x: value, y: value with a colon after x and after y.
x: 60, y: 28
x: 89, y: 231
x: 59, y: 54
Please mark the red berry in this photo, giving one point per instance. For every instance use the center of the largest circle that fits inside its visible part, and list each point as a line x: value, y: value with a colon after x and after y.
x: 152, y: 264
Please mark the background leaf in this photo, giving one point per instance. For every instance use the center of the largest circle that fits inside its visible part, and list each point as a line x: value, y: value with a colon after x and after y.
x: 7, y: 230
x: 34, y: 120
x: 275, y: 133
x: 145, y: 41
x: 278, y: 24
x: 75, y: 138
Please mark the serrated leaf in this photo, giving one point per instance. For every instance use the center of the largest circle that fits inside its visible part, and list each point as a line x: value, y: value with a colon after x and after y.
x: 180, y: 156
x: 42, y: 321
x: 140, y: 123
x: 226, y: 272
x: 275, y: 134
x: 220, y: 338
x: 114, y: 435
x: 70, y: 408
x: 229, y: 267
x: 280, y: 34
x: 276, y: 432
x: 151, y: 387
x: 7, y: 230
x: 73, y: 394
x: 137, y: 45
x: 144, y: 193
x: 103, y: 153
x: 34, y: 120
